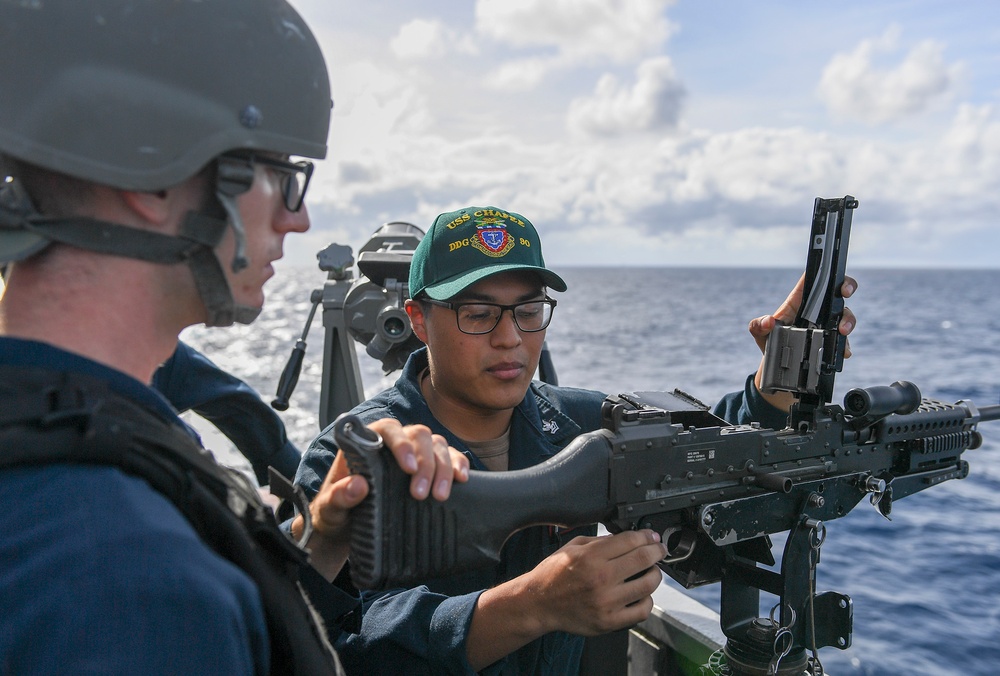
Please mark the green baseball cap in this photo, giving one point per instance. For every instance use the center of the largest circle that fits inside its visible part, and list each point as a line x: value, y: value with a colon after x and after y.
x: 465, y: 246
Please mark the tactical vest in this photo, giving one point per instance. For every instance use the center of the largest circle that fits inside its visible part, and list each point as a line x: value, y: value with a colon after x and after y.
x: 51, y: 417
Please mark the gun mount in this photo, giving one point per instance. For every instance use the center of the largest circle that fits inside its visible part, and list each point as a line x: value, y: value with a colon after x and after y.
x: 367, y: 309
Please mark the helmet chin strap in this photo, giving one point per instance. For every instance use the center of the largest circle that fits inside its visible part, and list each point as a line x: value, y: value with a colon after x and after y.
x: 233, y: 177
x: 209, y: 277
x: 195, y: 244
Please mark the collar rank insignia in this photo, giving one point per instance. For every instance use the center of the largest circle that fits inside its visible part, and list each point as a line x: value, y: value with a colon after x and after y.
x: 550, y: 426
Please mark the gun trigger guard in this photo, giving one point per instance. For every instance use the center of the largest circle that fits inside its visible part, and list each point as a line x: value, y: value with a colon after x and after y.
x: 685, y: 546
x: 678, y: 559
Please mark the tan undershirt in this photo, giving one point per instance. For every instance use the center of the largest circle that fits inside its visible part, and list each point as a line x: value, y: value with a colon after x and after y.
x: 492, y: 453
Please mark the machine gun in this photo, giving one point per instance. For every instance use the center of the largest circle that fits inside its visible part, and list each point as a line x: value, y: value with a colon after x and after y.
x: 715, y: 492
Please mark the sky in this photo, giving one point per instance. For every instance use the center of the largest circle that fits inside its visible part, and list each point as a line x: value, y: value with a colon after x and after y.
x: 652, y: 132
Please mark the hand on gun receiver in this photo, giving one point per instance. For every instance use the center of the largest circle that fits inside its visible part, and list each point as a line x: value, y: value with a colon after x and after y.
x: 432, y: 464
x: 760, y: 328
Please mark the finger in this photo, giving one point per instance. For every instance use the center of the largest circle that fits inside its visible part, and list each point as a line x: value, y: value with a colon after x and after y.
x: 642, y: 584
x: 761, y: 326
x: 444, y: 472
x: 422, y: 440
x: 460, y: 463
x: 338, y: 470
x: 398, y: 442
x: 641, y: 558
x: 787, y: 310
x: 347, y: 492
x: 413, y: 449
x: 330, y: 507
x: 637, y: 592
x: 849, y: 286
x: 636, y: 611
x: 624, y: 543
x: 847, y: 321
x: 452, y: 466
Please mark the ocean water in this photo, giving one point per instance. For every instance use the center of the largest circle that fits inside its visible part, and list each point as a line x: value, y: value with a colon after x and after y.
x: 925, y: 586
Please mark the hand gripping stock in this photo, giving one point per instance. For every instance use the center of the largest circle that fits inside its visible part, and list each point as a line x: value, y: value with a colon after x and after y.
x: 396, y: 540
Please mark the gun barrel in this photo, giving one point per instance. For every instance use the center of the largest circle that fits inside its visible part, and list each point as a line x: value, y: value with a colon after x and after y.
x: 987, y: 413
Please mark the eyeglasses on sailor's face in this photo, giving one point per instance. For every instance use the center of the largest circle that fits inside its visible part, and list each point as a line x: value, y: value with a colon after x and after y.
x: 479, y: 318
x: 294, y: 176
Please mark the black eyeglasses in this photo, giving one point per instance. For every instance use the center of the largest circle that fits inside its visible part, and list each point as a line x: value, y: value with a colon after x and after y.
x: 294, y: 180
x: 478, y: 318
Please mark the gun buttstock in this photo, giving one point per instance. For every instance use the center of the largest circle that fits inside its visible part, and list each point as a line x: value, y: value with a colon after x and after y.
x: 399, y: 541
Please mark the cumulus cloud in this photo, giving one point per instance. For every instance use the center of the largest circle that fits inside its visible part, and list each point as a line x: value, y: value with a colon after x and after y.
x: 428, y: 39
x: 626, y: 199
x: 403, y: 148
x: 652, y: 103
x: 570, y: 32
x: 521, y: 74
x: 973, y: 142
x: 854, y: 86
x: 419, y: 38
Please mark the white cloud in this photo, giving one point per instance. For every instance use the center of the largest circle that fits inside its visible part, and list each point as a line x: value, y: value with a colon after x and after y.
x: 412, y: 140
x: 652, y: 103
x: 419, y: 38
x: 521, y: 74
x: 570, y: 32
x: 428, y: 39
x: 972, y: 146
x: 853, y: 86
x: 697, y: 186
x: 621, y: 30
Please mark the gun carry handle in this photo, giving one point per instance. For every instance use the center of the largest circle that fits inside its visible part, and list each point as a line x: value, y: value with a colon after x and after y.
x: 398, y: 541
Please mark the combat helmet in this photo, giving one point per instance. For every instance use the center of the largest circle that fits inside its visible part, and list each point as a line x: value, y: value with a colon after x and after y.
x: 143, y: 94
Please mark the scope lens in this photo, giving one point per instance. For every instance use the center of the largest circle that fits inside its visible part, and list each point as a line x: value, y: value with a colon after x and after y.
x: 394, y: 327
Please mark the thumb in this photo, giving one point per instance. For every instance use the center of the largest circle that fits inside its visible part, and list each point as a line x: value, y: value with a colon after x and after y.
x: 353, y: 490
x: 761, y: 326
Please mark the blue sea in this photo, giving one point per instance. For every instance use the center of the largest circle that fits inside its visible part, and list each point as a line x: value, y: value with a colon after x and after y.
x: 925, y: 586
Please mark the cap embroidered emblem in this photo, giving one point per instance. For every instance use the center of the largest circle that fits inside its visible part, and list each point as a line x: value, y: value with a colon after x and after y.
x: 492, y: 237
